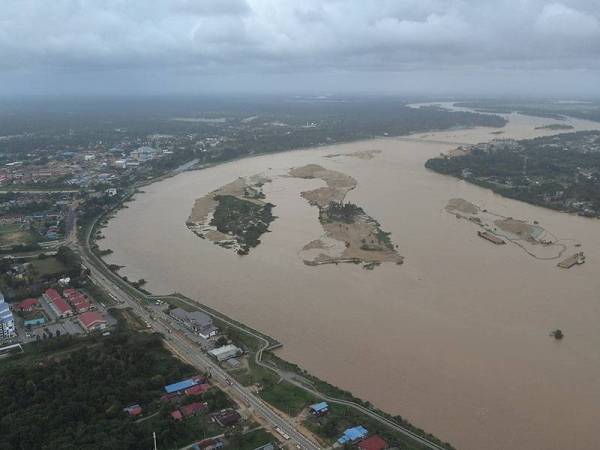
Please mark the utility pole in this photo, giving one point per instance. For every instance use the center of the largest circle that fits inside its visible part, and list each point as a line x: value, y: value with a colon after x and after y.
x: 154, y: 438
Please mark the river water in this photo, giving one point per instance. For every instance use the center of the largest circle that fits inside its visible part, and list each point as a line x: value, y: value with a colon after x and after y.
x: 455, y: 339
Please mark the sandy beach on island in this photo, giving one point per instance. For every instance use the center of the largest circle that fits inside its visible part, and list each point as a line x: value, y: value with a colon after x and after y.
x: 455, y: 339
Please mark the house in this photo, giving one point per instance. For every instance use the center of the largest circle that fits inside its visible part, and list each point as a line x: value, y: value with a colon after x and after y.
x: 82, y: 307
x: 188, y: 410
x: 352, y: 435
x: 192, y: 409
x: 57, y: 303
x: 373, y: 443
x: 199, y: 389
x: 133, y: 410
x: 318, y: 409
x: 92, y: 321
x: 226, y: 417
x: 225, y: 352
x: 197, y: 321
x: 28, y: 305
x: 77, y: 300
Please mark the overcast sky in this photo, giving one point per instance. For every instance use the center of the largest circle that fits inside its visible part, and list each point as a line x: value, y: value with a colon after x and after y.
x: 305, y: 46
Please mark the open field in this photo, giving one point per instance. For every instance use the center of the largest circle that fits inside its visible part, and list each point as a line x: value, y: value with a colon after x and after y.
x: 13, y: 234
x: 50, y: 266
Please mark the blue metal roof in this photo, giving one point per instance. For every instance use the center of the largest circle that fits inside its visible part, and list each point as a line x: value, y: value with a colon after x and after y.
x: 319, y: 407
x: 353, y: 434
x: 180, y: 386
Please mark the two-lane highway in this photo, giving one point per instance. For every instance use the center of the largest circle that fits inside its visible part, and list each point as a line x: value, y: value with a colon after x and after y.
x: 193, y: 354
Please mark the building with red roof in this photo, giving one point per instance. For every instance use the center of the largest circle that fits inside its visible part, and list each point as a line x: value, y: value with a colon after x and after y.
x: 82, y: 307
x: 77, y: 300
x: 198, y: 389
x: 92, y: 321
x: 192, y: 408
x: 57, y: 303
x: 28, y: 305
x: 373, y: 443
x: 69, y: 292
x: 133, y: 410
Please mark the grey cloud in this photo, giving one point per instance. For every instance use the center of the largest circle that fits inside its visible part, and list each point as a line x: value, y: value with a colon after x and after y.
x: 276, y: 37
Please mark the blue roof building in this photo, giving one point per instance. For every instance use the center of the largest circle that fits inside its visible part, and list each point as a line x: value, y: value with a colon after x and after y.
x: 319, y: 408
x: 181, y: 385
x: 353, y: 434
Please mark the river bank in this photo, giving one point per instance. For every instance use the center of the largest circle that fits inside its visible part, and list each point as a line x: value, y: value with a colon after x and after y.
x: 455, y: 339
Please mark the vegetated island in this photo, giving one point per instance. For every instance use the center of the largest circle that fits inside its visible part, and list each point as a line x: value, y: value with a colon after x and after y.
x: 555, y: 126
x: 234, y: 216
x: 561, y: 172
x: 534, y: 239
x: 351, y: 235
x: 361, y: 154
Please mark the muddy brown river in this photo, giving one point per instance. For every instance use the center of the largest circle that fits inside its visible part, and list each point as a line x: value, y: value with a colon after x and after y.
x: 456, y: 339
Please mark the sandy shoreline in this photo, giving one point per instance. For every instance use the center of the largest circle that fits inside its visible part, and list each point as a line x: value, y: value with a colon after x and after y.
x: 457, y: 339
x: 247, y: 189
x: 363, y: 240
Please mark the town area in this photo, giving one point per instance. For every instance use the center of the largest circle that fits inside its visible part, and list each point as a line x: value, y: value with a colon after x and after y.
x: 560, y: 172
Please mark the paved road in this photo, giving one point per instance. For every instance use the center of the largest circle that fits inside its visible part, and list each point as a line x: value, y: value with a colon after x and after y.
x: 291, y: 378
x: 122, y: 291
x: 179, y: 344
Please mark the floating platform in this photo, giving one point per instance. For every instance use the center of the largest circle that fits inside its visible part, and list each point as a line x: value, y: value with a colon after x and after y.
x: 491, y: 237
x: 576, y: 259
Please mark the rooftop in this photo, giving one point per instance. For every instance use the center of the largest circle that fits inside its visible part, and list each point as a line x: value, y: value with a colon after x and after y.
x: 92, y: 318
x: 181, y: 385
x: 373, y: 443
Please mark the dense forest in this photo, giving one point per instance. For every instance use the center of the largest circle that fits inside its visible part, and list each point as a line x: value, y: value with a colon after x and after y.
x: 69, y: 393
x: 342, y: 212
x: 560, y: 172
x: 244, y: 219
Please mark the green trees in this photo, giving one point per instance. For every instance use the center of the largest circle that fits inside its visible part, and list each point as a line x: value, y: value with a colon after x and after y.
x: 74, y: 400
x: 342, y: 212
x: 241, y: 218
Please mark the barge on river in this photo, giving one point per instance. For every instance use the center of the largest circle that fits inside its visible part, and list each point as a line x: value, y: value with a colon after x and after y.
x: 491, y: 237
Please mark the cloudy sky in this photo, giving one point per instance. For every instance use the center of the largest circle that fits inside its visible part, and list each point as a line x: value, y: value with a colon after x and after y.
x: 305, y: 46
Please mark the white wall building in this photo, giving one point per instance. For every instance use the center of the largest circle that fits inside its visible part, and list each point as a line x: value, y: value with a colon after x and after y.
x: 225, y: 352
x: 7, y: 322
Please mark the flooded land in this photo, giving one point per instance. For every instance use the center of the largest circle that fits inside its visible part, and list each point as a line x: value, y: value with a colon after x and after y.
x: 456, y: 339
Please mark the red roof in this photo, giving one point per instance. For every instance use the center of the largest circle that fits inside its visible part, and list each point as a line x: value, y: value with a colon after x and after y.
x: 53, y: 295
x: 91, y: 319
x: 28, y: 303
x: 373, y: 443
x: 177, y: 415
x: 134, y: 410
x: 58, y: 301
x: 198, y: 389
x: 192, y: 408
x: 68, y: 292
x: 77, y: 298
x: 83, y: 306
